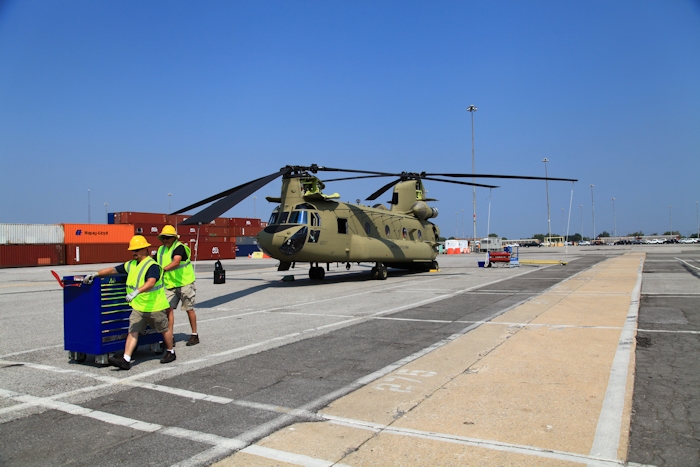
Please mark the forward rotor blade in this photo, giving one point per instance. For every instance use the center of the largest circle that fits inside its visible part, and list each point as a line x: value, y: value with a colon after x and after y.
x: 517, y: 177
x: 227, y: 199
x: 355, y: 178
x: 459, y: 183
x: 371, y: 172
x: 381, y: 191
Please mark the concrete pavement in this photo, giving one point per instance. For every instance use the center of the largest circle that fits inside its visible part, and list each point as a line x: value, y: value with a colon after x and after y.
x: 548, y: 382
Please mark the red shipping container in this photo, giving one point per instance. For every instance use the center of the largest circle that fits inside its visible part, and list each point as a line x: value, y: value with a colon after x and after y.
x: 148, y: 229
x: 140, y: 218
x: 219, y: 231
x: 95, y: 253
x: 210, y: 251
x: 220, y: 222
x: 250, y: 231
x: 177, y: 219
x: 18, y: 256
x: 244, y: 222
x: 189, y: 240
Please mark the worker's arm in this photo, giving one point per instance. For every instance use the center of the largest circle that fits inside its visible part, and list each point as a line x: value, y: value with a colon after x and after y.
x: 173, y: 264
x: 101, y: 273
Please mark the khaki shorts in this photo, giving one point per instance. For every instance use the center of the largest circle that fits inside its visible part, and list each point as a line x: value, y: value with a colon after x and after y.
x: 138, y: 320
x: 186, y: 294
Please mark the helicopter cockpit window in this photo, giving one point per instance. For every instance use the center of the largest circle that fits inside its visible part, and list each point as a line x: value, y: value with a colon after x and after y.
x: 404, y: 232
x: 283, y: 217
x: 420, y: 236
x: 274, y: 216
x: 315, y: 219
x: 367, y: 228
x: 387, y: 230
x: 305, y: 206
x: 299, y: 217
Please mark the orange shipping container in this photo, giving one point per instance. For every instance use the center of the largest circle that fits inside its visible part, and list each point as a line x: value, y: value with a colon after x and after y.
x: 97, y: 233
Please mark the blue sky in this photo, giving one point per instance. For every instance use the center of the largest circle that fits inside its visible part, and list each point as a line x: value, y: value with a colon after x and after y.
x: 136, y: 100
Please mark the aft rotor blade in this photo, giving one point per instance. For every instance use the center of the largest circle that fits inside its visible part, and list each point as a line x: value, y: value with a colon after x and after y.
x: 517, y: 177
x: 459, y: 183
x: 381, y: 191
x: 227, y: 199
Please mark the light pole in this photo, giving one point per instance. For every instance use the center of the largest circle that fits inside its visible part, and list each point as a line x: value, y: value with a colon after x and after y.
x: 456, y: 224
x: 170, y: 195
x: 593, y: 211
x: 614, y: 220
x: 106, y: 213
x: 670, y: 218
x: 563, y: 230
x: 697, y: 220
x: 463, y: 232
x: 471, y: 109
x: 546, y: 184
x: 488, y: 221
x: 581, y: 207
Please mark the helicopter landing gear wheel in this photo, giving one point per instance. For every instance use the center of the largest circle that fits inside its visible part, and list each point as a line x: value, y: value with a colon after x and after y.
x: 317, y: 273
x: 379, y: 272
x: 434, y: 265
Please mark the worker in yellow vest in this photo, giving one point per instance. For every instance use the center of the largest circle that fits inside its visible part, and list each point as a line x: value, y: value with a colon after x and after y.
x: 175, y: 259
x: 146, y: 294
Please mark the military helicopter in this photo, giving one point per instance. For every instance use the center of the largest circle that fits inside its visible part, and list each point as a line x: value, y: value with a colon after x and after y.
x: 312, y: 227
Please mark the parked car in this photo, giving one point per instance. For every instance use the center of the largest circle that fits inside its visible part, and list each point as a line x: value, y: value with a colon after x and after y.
x: 584, y: 243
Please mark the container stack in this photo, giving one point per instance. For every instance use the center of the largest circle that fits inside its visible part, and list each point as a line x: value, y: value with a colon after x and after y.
x: 212, y: 241
x: 245, y: 230
x: 97, y: 243
x: 23, y: 245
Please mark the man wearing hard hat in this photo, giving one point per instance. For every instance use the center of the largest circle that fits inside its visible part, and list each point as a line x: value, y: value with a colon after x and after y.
x: 174, y: 257
x: 146, y: 294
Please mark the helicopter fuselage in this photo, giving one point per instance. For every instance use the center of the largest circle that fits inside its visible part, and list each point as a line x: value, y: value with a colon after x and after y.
x: 308, y: 226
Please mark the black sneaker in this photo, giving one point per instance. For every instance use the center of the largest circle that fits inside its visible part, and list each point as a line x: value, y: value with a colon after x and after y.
x: 194, y: 340
x: 119, y: 362
x: 168, y: 357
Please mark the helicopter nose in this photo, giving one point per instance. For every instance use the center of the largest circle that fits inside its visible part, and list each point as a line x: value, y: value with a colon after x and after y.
x: 287, y: 239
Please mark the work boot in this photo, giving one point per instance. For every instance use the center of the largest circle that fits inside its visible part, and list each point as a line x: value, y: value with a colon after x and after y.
x: 168, y: 357
x: 194, y: 340
x: 119, y: 362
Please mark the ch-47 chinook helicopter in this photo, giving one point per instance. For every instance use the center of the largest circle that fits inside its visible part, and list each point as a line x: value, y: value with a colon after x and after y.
x: 313, y: 227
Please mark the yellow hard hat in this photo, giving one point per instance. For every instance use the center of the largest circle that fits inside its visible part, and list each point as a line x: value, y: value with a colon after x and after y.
x: 168, y: 231
x: 137, y: 242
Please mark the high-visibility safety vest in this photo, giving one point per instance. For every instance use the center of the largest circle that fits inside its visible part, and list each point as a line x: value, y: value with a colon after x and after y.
x: 183, y: 274
x: 154, y: 299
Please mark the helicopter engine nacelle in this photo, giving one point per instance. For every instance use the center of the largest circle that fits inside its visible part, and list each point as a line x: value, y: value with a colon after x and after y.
x: 422, y: 211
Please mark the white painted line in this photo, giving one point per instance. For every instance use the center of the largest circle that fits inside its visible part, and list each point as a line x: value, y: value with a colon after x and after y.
x: 476, y: 442
x: 669, y: 332
x: 30, y: 350
x: 607, y: 436
x: 687, y: 264
x: 289, y: 457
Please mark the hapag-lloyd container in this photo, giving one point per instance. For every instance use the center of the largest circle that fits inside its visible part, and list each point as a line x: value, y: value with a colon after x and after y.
x: 17, y: 256
x: 31, y: 234
x: 97, y: 233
